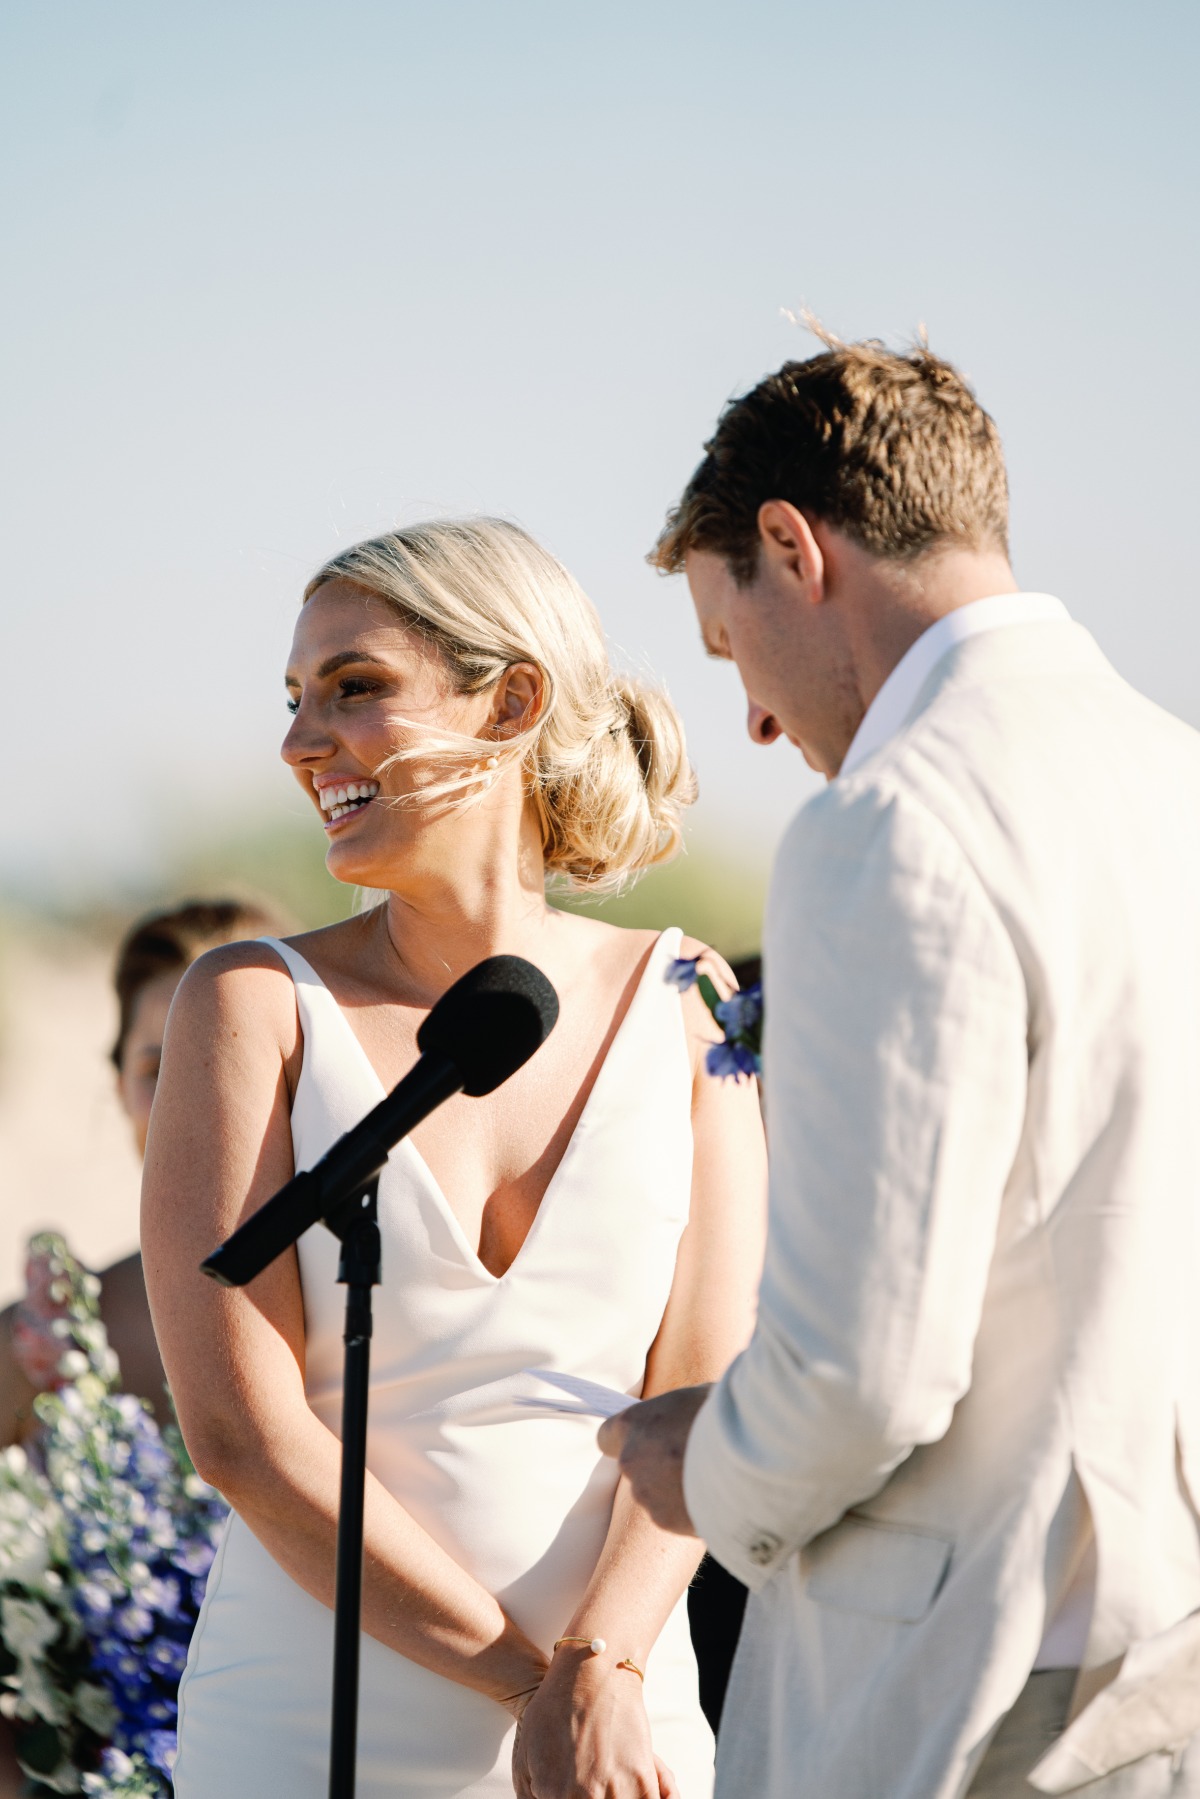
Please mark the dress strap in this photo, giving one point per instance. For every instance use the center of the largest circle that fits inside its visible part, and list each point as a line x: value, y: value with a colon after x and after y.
x: 329, y: 1037
x: 301, y: 970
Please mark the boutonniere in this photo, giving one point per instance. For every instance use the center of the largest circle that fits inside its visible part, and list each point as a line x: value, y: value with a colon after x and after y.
x: 740, y: 1018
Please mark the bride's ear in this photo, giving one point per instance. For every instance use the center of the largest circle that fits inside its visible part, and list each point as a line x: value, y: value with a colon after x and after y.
x: 518, y: 699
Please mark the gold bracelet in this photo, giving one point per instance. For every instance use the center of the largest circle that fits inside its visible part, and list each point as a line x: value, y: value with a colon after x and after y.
x: 597, y: 1646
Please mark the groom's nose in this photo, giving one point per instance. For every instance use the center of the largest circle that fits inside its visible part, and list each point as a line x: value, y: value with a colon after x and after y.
x: 762, y: 725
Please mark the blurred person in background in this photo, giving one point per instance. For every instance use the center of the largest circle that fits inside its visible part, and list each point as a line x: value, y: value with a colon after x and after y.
x: 150, y: 964
x: 462, y: 736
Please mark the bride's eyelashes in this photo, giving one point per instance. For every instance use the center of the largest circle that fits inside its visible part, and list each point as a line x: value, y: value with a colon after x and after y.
x: 357, y: 687
x: 351, y: 688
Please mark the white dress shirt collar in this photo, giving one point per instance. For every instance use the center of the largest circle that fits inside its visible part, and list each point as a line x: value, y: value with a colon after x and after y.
x: 892, y: 704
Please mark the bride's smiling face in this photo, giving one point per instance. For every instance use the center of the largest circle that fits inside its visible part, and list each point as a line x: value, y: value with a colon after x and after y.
x: 355, y: 676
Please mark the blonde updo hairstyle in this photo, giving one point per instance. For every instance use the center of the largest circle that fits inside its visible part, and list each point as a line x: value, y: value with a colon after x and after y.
x: 605, y: 761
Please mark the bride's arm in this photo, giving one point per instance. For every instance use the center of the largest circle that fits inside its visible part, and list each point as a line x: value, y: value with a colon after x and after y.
x: 587, y: 1712
x: 220, y: 1144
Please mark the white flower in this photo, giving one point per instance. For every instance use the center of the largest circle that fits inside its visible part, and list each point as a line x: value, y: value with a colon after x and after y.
x: 118, y: 1768
x: 39, y: 1698
x: 26, y: 1563
x: 93, y: 1705
x: 26, y: 1626
x: 73, y: 1364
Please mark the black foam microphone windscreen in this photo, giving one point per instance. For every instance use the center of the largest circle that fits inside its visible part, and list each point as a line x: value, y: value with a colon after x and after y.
x: 491, y: 1021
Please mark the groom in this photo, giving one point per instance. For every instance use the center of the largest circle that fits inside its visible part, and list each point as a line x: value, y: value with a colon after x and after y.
x: 958, y: 1464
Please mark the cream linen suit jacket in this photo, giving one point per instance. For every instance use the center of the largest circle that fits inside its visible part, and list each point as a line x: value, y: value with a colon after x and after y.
x: 983, y: 1097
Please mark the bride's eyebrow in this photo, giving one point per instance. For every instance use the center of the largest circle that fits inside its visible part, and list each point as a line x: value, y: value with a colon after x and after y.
x: 332, y: 663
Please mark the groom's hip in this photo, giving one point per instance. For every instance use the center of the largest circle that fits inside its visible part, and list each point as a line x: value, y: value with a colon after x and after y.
x: 1035, y: 1724
x: 826, y: 1699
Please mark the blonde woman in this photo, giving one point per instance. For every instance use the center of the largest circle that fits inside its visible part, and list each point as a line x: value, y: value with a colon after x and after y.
x: 461, y: 736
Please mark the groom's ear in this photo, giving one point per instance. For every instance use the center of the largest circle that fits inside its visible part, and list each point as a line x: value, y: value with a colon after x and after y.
x: 789, y: 551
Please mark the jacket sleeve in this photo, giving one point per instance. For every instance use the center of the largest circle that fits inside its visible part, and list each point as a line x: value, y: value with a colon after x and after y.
x: 895, y: 1064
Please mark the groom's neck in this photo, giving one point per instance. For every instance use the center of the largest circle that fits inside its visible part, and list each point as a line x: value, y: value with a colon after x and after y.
x: 890, y: 604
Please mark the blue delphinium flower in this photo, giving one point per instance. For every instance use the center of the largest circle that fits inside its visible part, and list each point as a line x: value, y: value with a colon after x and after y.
x: 731, y: 1059
x: 161, y: 1749
x: 741, y: 1013
x: 740, y: 1018
x: 141, y: 1531
x: 682, y: 972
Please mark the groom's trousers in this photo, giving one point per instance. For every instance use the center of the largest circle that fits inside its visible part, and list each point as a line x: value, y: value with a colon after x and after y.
x: 1039, y: 1716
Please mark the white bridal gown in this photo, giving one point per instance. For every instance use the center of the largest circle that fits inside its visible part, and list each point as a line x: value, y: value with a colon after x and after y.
x: 518, y: 1494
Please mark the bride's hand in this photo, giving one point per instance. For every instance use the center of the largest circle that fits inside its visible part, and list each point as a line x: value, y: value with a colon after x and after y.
x: 585, y: 1731
x: 668, y: 1786
x: 515, y: 1704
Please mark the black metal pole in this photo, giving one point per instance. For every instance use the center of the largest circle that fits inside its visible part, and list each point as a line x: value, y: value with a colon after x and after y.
x: 359, y: 1271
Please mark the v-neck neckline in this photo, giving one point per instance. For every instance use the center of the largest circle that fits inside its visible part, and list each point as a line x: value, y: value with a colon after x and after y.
x: 409, y: 1148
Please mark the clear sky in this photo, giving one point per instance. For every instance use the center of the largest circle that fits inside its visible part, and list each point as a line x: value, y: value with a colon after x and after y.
x: 278, y: 276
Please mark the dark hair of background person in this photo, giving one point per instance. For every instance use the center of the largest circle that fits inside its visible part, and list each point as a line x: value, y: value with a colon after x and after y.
x: 890, y: 447
x: 168, y: 942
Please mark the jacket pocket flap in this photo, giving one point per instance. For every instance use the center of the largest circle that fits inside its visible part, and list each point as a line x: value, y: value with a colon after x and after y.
x: 881, y: 1570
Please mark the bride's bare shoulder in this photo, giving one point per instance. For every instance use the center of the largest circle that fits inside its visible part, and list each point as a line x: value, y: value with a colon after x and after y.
x: 236, y: 989
x: 614, y: 952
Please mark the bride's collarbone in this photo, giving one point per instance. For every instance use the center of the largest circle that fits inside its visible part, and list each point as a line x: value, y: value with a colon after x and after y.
x: 494, y: 1158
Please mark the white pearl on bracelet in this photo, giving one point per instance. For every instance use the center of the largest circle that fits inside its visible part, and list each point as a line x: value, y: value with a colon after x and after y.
x: 594, y: 1645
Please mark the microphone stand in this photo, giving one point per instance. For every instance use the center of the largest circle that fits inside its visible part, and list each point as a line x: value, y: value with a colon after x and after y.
x: 342, y: 1193
x: 356, y: 1224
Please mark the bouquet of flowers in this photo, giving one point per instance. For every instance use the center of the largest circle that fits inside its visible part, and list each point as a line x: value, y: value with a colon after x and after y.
x: 740, y: 1018
x: 134, y: 1531
x: 47, y: 1690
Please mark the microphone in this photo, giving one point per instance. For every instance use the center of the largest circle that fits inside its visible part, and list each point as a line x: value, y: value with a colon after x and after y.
x: 482, y: 1030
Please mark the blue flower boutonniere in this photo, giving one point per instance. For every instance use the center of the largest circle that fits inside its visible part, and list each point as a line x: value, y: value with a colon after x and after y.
x: 740, y: 1019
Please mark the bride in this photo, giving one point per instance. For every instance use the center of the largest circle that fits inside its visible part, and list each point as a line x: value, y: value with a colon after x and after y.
x: 460, y: 734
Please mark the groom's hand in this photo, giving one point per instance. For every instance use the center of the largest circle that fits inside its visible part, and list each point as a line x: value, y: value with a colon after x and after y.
x: 649, y: 1440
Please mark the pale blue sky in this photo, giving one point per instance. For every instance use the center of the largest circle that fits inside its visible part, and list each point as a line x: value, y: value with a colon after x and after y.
x: 278, y: 276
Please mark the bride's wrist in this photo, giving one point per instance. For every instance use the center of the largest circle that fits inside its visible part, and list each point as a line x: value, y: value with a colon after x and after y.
x: 590, y: 1659
x: 515, y: 1670
x: 515, y: 1703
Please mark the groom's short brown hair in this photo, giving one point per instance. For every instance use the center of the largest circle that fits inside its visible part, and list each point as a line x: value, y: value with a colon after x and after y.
x: 890, y: 447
